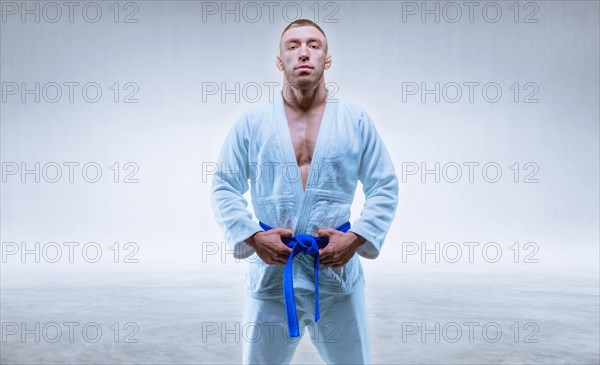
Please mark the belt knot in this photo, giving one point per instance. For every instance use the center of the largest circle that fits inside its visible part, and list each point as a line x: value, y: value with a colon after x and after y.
x: 308, y: 245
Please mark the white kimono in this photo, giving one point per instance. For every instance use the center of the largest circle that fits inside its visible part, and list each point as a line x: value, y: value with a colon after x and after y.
x: 258, y: 154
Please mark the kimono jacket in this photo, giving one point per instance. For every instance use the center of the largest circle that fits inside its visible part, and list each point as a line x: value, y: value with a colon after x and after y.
x: 258, y: 155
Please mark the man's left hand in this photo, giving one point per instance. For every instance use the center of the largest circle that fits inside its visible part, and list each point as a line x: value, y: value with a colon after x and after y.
x: 341, y: 247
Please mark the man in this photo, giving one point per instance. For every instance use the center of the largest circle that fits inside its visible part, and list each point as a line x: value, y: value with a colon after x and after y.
x: 303, y: 156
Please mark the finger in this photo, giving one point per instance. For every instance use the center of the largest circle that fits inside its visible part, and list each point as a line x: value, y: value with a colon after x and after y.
x: 326, y: 263
x: 283, y: 247
x: 322, y: 233
x: 284, y: 258
x: 330, y: 249
x: 327, y: 232
x: 330, y: 259
x: 277, y: 258
x: 270, y: 261
x: 326, y: 260
x: 285, y: 232
x: 336, y: 263
x: 324, y: 252
x: 283, y: 251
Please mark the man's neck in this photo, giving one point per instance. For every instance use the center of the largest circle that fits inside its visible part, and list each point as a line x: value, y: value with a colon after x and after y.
x: 304, y: 100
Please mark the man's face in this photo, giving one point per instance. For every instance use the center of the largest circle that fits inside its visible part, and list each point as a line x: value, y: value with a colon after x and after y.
x: 303, y: 56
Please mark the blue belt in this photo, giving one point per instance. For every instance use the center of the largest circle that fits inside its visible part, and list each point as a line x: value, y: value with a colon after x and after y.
x: 307, y: 245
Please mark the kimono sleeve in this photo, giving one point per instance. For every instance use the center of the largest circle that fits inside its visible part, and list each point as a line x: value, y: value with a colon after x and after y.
x: 380, y: 186
x: 229, y: 184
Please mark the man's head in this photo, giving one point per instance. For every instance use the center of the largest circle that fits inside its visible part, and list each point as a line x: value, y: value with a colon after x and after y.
x: 303, y: 54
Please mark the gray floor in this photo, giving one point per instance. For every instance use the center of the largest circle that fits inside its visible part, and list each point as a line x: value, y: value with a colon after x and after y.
x: 170, y: 318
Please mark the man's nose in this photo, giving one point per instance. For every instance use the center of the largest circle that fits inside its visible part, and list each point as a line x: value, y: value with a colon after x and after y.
x: 304, y: 55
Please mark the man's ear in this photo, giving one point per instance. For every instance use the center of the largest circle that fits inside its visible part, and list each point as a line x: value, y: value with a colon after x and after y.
x: 279, y: 63
x: 327, y: 62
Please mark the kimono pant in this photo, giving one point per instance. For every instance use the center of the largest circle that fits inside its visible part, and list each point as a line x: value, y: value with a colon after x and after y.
x: 340, y: 335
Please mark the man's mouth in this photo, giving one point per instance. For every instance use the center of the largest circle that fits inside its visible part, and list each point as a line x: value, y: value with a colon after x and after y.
x: 304, y: 67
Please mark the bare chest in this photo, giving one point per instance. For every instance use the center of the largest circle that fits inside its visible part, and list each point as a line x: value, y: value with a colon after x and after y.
x: 304, y: 131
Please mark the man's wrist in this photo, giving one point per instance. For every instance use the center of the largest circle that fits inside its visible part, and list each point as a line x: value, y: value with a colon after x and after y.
x: 358, y: 240
x: 250, y: 240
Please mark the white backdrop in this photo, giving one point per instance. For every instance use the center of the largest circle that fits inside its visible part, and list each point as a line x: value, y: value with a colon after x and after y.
x: 145, y: 92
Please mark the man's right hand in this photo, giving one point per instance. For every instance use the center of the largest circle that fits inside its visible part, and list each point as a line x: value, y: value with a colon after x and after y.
x: 269, y: 247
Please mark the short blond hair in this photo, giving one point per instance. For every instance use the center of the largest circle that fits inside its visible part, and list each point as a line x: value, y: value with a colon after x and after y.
x: 303, y: 23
